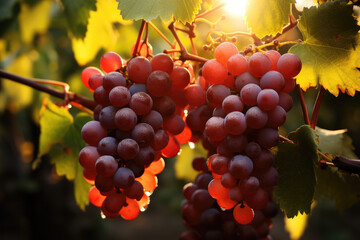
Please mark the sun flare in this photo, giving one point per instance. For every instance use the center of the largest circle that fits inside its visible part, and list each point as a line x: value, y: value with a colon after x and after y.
x: 236, y: 7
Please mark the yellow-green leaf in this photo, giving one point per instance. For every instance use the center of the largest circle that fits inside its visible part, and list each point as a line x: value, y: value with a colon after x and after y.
x: 100, y: 33
x: 296, y: 226
x: 266, y: 17
x: 330, y: 53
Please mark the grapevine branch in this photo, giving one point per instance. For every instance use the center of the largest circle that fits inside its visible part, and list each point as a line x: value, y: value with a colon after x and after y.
x: 315, y: 113
x: 68, y: 96
x: 136, y: 48
x: 303, y: 105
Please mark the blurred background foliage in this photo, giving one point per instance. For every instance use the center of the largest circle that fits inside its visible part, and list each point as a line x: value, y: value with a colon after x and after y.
x: 55, y: 40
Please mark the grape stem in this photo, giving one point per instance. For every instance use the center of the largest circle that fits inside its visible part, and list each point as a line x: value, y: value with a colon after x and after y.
x: 184, y: 55
x: 136, y: 48
x: 292, y: 24
x: 303, y: 105
x: 276, y: 44
x: 160, y: 33
x: 36, y: 84
x: 210, y: 11
x: 316, y: 110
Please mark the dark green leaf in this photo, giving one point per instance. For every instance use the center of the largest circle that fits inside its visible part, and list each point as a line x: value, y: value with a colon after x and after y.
x: 330, y: 52
x: 295, y: 164
x: 77, y: 13
x: 181, y: 10
x: 266, y: 17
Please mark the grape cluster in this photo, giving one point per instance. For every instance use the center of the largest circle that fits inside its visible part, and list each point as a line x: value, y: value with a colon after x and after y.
x: 207, y: 220
x: 136, y: 122
x: 239, y: 104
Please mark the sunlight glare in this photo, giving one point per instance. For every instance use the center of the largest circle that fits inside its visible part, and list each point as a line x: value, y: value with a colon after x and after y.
x: 236, y: 7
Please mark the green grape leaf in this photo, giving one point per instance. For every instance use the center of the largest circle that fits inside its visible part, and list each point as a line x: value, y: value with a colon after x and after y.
x: 295, y: 164
x: 6, y: 9
x: 335, y: 142
x: 341, y: 187
x: 181, y: 10
x: 330, y: 53
x: 77, y: 14
x: 61, y: 137
x: 266, y: 17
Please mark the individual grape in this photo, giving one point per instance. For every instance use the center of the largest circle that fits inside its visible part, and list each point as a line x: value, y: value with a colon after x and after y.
x: 106, y: 214
x: 202, y: 180
x: 195, y: 95
x: 158, y: 83
x: 252, y: 150
x: 145, y: 49
x: 108, y: 146
x: 185, y: 136
x: 157, y: 166
x: 135, y: 191
x: 259, y: 64
x: 107, y: 117
x: 202, y: 200
x: 123, y: 177
x: 235, y: 143
x: 174, y: 124
x: 149, y: 181
x: 274, y: 57
x: 210, y: 218
x: 164, y: 105
x: 285, y: 101
x: 90, y: 174
x: 188, y: 190
x: 232, y: 103
x: 138, y: 87
x: 131, y: 210
x: 125, y: 119
x: 190, y: 215
x: 224, y: 51
x: 268, y: 137
x: 258, y: 200
x: 180, y: 78
x: 216, y: 94
x: 161, y: 140
x: 245, y: 79
x: 235, y: 123
x: 145, y: 156
x: 256, y: 118
x: 289, y: 65
x: 101, y: 96
x: 106, y: 166
x: 229, y: 82
x: 96, y: 111
x: 215, y: 129
x: 217, y: 190
x: 127, y: 149
x: 139, y: 69
x: 272, y: 80
x: 198, y: 117
x: 141, y: 103
x: 143, y: 134
x: 114, y: 202
x: 88, y: 156
x: 95, y: 197
x: 172, y: 148
x: 104, y: 184
x: 119, y: 96
x: 237, y: 64
x: 249, y: 94
x: 214, y: 72
x: 162, y: 62
x: 267, y: 99
x: 178, y: 96
x: 137, y: 170
x: 263, y: 231
x: 276, y: 117
x: 269, y: 178
x: 219, y: 164
x: 250, y: 186
x: 270, y: 210
x: 95, y: 81
x: 228, y: 181
x: 240, y: 166
x: 264, y: 161
x: 235, y: 194
x: 92, y: 132
x: 199, y: 164
x: 243, y: 214
x: 113, y: 79
x: 110, y: 61
x: 154, y: 119
x: 87, y: 73
x: 289, y: 85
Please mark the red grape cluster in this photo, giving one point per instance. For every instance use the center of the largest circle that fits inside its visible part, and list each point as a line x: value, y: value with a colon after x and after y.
x: 243, y: 102
x: 136, y: 122
x: 207, y: 220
